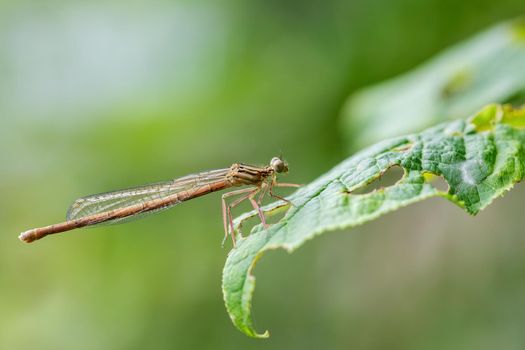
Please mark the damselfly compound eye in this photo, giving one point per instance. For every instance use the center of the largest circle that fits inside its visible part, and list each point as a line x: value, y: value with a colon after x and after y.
x: 278, y: 165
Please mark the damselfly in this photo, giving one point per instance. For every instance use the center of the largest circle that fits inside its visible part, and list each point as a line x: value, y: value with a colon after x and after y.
x: 120, y: 206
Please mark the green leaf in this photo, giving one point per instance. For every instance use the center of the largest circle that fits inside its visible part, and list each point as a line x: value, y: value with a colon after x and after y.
x: 479, y: 158
x: 488, y: 67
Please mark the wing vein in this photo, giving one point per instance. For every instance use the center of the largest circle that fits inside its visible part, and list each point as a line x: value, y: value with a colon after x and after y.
x: 104, y: 202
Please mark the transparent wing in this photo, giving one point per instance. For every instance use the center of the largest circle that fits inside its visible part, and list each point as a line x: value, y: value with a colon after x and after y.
x: 103, y: 202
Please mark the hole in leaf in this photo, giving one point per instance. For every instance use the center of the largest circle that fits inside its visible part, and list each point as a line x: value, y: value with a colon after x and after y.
x: 272, y: 217
x: 437, y: 181
x: 403, y: 148
x: 389, y: 178
x: 276, y: 214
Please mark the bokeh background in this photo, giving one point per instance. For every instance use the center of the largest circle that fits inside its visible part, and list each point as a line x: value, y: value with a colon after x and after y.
x: 96, y: 96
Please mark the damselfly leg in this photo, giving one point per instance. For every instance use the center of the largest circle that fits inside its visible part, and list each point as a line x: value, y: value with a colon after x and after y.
x: 227, y: 213
x: 250, y: 194
x: 281, y: 184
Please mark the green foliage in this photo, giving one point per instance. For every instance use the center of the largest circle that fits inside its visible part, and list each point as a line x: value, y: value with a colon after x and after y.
x: 485, y: 68
x: 479, y: 159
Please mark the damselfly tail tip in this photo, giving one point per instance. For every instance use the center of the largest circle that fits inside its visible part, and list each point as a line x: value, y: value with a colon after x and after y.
x: 26, y: 236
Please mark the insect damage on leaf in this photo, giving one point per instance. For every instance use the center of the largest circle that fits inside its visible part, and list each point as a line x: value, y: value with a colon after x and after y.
x: 387, y: 178
x: 476, y: 161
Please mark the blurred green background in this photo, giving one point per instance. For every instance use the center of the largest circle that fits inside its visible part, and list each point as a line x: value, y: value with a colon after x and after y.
x: 96, y: 96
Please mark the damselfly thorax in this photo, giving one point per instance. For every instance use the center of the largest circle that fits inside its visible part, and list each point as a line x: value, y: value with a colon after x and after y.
x: 123, y: 205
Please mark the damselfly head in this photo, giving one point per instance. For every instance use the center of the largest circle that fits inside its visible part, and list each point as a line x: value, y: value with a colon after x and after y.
x: 278, y: 165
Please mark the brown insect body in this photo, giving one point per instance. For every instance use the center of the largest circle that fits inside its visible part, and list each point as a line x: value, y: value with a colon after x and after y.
x: 168, y: 194
x: 244, y: 174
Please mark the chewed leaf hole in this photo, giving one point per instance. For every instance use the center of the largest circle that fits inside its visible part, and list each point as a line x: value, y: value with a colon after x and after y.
x: 403, y: 148
x: 271, y: 217
x: 276, y: 214
x: 389, y: 178
x: 437, y: 181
